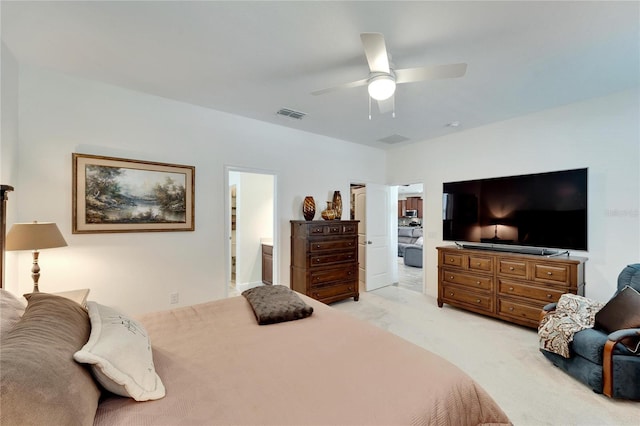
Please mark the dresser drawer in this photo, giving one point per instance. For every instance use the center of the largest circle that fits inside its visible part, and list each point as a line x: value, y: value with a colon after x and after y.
x: 468, y: 280
x: 333, y: 275
x: 452, y: 259
x: 519, y: 310
x: 336, y: 228
x: 543, y: 294
x: 480, y: 263
x: 329, y: 244
x: 512, y: 267
x: 456, y: 294
x: 350, y: 229
x: 555, y: 273
x: 325, y: 259
x: 330, y: 292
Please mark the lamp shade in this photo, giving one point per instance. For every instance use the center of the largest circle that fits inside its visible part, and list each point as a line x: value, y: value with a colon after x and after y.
x: 34, y: 236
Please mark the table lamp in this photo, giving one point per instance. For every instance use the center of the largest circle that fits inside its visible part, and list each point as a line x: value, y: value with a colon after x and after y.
x: 34, y: 236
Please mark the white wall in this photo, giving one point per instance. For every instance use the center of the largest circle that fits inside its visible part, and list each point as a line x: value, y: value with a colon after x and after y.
x: 601, y: 134
x: 254, y: 222
x: 135, y: 272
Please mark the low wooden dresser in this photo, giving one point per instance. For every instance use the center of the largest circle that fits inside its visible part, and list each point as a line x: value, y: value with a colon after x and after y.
x: 324, y: 259
x: 510, y: 286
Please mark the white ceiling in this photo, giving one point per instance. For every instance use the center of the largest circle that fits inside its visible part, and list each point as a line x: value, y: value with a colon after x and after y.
x: 253, y: 58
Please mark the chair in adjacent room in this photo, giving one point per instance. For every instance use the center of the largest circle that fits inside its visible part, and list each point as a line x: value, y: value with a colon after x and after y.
x: 413, y: 255
x: 606, y: 357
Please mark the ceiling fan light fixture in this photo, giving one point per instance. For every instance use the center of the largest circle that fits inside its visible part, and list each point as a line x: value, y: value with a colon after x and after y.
x: 382, y: 87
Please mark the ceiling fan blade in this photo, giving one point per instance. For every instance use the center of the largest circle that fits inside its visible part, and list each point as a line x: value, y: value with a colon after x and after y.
x: 340, y: 87
x: 376, y: 52
x: 410, y: 75
x: 386, y: 105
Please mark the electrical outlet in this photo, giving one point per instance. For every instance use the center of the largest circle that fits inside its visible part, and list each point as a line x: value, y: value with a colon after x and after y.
x: 174, y: 298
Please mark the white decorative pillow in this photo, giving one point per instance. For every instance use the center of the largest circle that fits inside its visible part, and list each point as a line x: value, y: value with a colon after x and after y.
x: 119, y: 350
x: 11, y: 310
x: 419, y: 241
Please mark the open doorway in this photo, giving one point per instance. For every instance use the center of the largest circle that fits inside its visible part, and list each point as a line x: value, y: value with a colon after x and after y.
x: 251, y: 228
x: 410, y: 237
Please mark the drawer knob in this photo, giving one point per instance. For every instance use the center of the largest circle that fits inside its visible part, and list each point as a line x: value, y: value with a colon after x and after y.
x: 350, y: 273
x: 479, y: 263
x: 511, y: 268
x: 451, y: 277
x: 511, y: 308
x: 451, y: 294
x: 317, y: 259
x: 510, y: 288
x: 451, y: 259
x: 317, y: 245
x: 549, y: 296
x: 478, y: 282
x: 477, y: 300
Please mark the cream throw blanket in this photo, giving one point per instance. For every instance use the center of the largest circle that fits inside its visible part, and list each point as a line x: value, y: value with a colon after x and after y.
x: 572, y: 314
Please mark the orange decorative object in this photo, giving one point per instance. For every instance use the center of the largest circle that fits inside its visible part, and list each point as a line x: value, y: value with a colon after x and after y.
x: 308, y: 208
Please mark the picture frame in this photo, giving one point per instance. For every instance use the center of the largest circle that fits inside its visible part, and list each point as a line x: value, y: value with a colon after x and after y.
x: 124, y: 195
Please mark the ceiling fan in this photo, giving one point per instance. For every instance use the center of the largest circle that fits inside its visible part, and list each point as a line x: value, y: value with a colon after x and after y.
x: 382, y: 79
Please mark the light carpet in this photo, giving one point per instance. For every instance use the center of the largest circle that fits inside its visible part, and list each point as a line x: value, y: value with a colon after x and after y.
x: 502, y: 357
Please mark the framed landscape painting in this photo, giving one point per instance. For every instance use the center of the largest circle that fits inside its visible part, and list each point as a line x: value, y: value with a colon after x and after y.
x: 121, y: 195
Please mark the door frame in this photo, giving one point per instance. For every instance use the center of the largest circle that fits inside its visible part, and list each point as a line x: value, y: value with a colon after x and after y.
x: 227, y: 221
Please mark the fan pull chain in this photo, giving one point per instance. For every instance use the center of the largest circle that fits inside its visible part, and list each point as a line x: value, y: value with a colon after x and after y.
x: 393, y: 114
x: 369, y: 108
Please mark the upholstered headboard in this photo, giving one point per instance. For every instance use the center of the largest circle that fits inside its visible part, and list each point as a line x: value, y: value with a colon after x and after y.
x: 4, y: 189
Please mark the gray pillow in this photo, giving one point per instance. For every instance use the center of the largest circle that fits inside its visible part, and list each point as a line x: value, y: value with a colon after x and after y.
x: 40, y: 383
x: 276, y: 303
x: 621, y: 312
x: 11, y: 309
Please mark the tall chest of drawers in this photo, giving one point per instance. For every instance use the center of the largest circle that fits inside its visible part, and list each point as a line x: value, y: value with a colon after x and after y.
x: 324, y: 259
x: 510, y: 286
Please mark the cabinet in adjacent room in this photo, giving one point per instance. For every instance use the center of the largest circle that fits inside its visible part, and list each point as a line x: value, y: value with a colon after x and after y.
x: 324, y: 259
x: 267, y: 264
x: 410, y: 203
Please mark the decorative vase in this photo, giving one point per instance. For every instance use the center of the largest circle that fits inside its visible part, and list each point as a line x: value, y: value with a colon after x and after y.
x: 337, y: 204
x: 308, y: 208
x: 329, y: 213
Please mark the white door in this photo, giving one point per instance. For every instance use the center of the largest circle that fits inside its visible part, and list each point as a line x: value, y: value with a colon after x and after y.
x: 373, y: 235
x: 360, y: 206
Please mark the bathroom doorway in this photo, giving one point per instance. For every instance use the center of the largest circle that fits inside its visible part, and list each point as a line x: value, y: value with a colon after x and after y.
x: 251, y: 213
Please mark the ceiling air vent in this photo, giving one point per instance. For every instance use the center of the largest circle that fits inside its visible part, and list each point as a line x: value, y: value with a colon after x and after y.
x: 291, y: 113
x: 394, y: 139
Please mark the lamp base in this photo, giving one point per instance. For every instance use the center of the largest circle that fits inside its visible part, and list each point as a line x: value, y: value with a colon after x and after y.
x: 35, y: 271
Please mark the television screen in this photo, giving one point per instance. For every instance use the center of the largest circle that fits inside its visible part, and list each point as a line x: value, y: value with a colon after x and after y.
x: 546, y: 210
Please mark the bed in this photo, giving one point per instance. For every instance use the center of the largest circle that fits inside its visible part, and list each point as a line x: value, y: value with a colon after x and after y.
x: 219, y: 366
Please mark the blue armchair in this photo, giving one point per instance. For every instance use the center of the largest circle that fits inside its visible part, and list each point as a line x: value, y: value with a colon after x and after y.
x: 598, y: 359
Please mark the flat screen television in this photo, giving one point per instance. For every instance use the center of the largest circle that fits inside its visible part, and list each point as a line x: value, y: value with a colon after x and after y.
x: 544, y: 210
